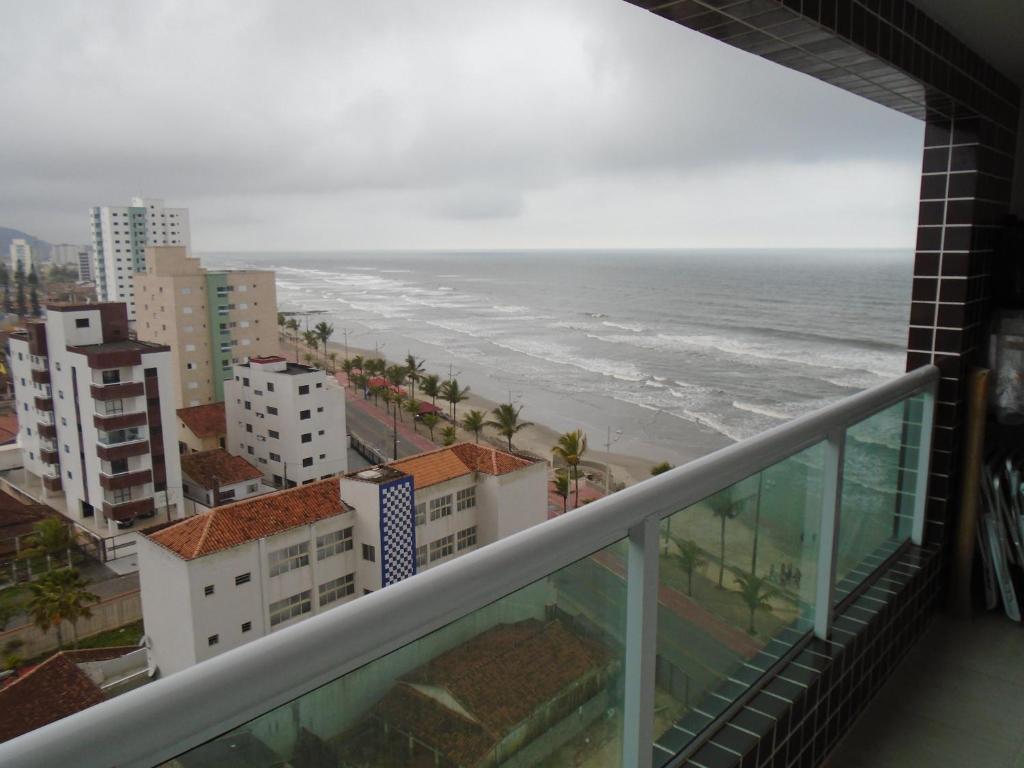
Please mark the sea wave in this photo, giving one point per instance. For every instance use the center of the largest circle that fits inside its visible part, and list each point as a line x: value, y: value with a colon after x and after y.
x: 635, y: 327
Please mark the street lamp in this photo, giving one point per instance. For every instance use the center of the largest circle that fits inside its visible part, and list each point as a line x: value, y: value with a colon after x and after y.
x: 607, y: 466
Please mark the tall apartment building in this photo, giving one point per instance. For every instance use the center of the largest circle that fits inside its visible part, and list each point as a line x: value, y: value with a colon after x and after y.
x: 92, y: 423
x: 210, y: 320
x: 66, y: 253
x: 21, y: 255
x: 287, y: 419
x: 119, y: 239
x: 241, y: 571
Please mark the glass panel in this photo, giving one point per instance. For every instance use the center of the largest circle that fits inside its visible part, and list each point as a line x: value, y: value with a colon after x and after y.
x: 534, y: 679
x: 879, y: 482
x: 736, y: 573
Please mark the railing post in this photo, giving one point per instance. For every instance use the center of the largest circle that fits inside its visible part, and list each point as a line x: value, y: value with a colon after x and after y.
x: 641, y: 645
x: 828, y: 539
x: 924, y: 456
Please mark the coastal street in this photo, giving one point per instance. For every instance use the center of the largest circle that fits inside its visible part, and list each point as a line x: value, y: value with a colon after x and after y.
x: 368, y: 424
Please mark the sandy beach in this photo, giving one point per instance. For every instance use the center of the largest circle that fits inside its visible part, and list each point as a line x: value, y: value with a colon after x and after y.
x: 536, y: 439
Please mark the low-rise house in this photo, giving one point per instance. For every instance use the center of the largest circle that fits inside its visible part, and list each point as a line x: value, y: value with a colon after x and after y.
x: 201, y: 428
x: 212, y: 478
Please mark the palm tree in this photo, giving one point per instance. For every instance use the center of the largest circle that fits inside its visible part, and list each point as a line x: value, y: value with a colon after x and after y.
x: 412, y: 407
x: 50, y: 538
x: 755, y: 592
x: 60, y: 596
x: 293, y: 332
x: 506, y: 421
x: 359, y: 382
x: 474, y: 422
x: 375, y: 366
x: 395, y: 374
x: 324, y: 331
x: 309, y: 359
x: 414, y: 371
x: 722, y: 506
x: 357, y: 362
x: 333, y: 357
x: 430, y: 385
x: 281, y: 320
x: 430, y: 422
x: 311, y: 340
x: 690, y: 559
x: 451, y: 392
x: 348, y: 366
x: 570, y: 448
x: 562, y: 488
x: 449, y: 435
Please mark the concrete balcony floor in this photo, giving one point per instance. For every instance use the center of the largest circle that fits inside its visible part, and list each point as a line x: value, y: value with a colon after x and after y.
x: 957, y: 699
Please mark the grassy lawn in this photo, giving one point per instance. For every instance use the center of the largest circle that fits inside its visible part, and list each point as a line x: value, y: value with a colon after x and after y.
x: 129, y: 634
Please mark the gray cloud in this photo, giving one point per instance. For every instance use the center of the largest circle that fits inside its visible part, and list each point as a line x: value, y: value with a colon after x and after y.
x: 414, y: 123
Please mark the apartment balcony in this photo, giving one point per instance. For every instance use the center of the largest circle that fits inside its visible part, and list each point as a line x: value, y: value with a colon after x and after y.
x: 46, y: 429
x: 49, y: 456
x: 126, y: 450
x: 114, y: 421
x: 125, y: 479
x: 123, y: 389
x: 591, y: 629
x: 52, y: 483
x: 41, y: 375
x: 129, y: 510
x: 43, y: 403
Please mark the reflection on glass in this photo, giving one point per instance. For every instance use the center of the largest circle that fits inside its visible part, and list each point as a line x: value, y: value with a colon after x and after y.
x: 534, y: 679
x: 736, y: 571
x: 879, y: 480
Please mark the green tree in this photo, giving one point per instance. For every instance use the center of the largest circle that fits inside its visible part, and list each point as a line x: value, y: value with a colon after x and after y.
x: 430, y: 385
x: 50, y: 538
x: 506, y: 421
x: 430, y: 422
x: 412, y: 407
x: 359, y: 382
x: 58, y: 596
x: 474, y: 422
x: 562, y: 488
x: 414, y: 371
x: 281, y: 320
x: 690, y: 558
x: 449, y: 436
x: 324, y: 331
x: 311, y: 340
x: 395, y: 374
x: 348, y: 366
x: 570, y: 448
x: 357, y: 363
x: 19, y: 281
x: 722, y: 507
x: 755, y: 593
x: 292, y: 327
x: 333, y: 357
x: 660, y: 469
x: 454, y: 394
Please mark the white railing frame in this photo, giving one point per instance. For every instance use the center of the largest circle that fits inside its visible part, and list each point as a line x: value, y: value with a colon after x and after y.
x: 170, y: 716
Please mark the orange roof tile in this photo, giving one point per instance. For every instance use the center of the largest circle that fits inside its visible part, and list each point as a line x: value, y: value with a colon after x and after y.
x: 205, y: 420
x: 250, y: 519
x: 455, y: 461
x: 53, y: 690
x: 217, y: 467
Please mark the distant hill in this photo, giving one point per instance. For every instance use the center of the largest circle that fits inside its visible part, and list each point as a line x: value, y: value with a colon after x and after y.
x: 40, y: 247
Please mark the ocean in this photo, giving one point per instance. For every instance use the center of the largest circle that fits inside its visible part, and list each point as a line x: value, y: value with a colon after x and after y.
x: 656, y: 346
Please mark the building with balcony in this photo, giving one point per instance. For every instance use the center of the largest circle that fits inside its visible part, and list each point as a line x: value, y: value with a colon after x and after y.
x: 211, y: 320
x: 92, y: 422
x: 287, y: 419
x: 863, y: 497
x: 242, y: 570
x: 201, y: 428
x: 119, y: 239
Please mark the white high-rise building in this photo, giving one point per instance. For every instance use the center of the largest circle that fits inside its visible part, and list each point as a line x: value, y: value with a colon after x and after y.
x: 287, y: 419
x: 21, y: 254
x: 120, y: 237
x: 85, y: 264
x: 66, y: 253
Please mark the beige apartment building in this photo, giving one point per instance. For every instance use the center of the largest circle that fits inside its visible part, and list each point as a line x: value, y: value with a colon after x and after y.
x: 210, y: 319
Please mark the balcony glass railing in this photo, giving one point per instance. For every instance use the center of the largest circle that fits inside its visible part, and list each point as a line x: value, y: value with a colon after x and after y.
x: 613, y: 635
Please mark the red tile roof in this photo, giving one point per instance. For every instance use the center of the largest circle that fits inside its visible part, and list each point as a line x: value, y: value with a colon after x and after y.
x: 205, y: 420
x: 216, y: 468
x: 457, y: 460
x: 53, y: 690
x: 250, y: 519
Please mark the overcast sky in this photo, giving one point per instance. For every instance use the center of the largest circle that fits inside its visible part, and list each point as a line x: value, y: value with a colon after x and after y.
x: 435, y: 124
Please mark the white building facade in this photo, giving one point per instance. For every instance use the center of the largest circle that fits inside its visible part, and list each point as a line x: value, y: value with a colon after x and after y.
x: 241, y: 571
x: 21, y: 256
x: 119, y: 238
x: 286, y: 419
x: 92, y: 422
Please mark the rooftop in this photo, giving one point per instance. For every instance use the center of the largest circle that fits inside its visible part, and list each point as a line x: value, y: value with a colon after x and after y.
x: 380, y: 474
x: 251, y: 519
x: 212, y: 469
x: 458, y: 460
x: 53, y: 690
x: 290, y: 369
x: 205, y: 420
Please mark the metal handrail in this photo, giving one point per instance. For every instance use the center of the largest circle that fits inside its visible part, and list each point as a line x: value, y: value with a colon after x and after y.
x: 160, y: 721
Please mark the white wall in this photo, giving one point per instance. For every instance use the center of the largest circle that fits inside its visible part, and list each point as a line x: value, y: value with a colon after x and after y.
x: 166, y: 607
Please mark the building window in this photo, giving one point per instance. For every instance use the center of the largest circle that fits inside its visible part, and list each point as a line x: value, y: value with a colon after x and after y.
x: 246, y: 627
x: 111, y: 376
x: 304, y: 389
x: 421, y: 556
x: 441, y: 507
x: 275, y: 457
x: 111, y: 407
x: 308, y: 461
x: 121, y: 495
x: 290, y: 607
x: 467, y: 538
x: 208, y: 590
x: 248, y: 427
x: 272, y: 410
x: 213, y: 639
x: 82, y: 322
x: 369, y: 553
x: 270, y: 386
x: 335, y: 589
x: 303, y: 415
x: 243, y: 578
x: 308, y: 437
x: 421, y: 513
x: 248, y: 405
x: 442, y: 548
x: 288, y: 558
x: 253, y: 487
x: 333, y: 543
x: 273, y: 433
x: 465, y: 499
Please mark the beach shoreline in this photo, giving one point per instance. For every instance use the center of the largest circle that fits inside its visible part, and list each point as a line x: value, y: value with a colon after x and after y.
x: 537, y: 439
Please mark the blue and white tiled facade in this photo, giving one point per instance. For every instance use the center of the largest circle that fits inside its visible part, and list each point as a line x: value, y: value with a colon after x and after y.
x: 397, y: 531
